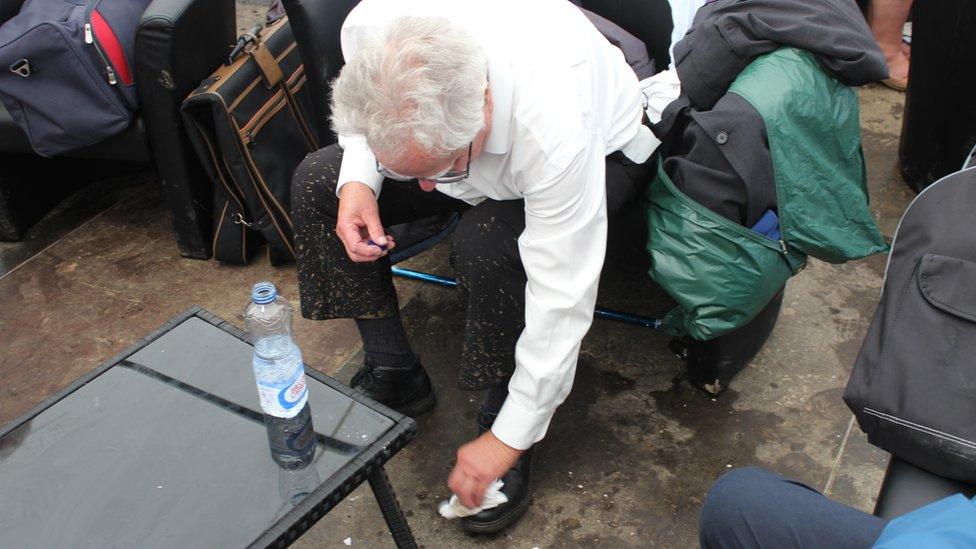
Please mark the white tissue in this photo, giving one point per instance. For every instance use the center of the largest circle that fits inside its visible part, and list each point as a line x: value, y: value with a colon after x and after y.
x: 493, y: 498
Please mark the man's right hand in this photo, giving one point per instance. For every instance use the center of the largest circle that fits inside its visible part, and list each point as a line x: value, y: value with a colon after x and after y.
x: 359, y: 222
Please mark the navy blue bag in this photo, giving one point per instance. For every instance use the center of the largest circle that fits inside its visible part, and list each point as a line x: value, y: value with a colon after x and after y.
x: 66, y: 70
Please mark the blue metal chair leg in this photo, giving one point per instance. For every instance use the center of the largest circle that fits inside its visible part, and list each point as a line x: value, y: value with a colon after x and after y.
x: 606, y: 314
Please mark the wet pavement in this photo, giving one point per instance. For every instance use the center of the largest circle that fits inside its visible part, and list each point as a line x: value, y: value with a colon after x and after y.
x: 629, y: 456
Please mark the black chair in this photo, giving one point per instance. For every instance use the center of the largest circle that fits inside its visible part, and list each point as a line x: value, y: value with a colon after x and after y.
x: 316, y: 25
x: 648, y: 20
x: 906, y: 487
x: 178, y: 44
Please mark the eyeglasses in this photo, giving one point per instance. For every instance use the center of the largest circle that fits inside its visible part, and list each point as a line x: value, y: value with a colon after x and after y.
x: 443, y: 178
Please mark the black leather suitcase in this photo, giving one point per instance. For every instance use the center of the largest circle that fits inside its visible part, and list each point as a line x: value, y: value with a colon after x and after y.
x: 712, y: 364
x: 250, y: 123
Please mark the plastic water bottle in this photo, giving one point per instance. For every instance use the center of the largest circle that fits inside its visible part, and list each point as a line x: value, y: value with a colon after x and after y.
x: 280, y: 377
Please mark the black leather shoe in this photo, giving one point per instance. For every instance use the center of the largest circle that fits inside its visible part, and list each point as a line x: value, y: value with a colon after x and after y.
x: 406, y: 390
x: 518, y: 489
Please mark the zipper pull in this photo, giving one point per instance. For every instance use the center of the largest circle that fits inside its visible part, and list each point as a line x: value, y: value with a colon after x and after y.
x: 782, y: 246
x: 89, y: 39
x: 111, y: 75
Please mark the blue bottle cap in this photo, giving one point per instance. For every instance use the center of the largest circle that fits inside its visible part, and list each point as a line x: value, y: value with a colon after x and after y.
x: 263, y: 292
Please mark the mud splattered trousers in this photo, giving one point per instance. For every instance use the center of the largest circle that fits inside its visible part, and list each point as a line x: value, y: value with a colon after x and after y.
x: 484, y: 254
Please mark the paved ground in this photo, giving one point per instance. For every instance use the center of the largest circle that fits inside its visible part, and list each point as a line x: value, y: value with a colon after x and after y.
x: 629, y: 456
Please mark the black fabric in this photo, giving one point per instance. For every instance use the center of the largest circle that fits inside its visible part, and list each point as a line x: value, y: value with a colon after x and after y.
x: 712, y: 364
x: 130, y: 145
x: 906, y: 488
x: 491, y: 288
x: 253, y: 136
x: 9, y: 8
x: 494, y: 398
x: 178, y: 44
x: 484, y: 252
x: 727, y: 34
x: 753, y: 508
x: 913, y: 387
x: 316, y: 24
x: 385, y: 342
x: 720, y: 157
x: 634, y: 50
x: 940, y: 115
x: 330, y: 285
x: 648, y: 20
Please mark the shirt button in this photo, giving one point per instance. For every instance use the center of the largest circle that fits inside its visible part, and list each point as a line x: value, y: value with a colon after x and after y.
x: 722, y: 138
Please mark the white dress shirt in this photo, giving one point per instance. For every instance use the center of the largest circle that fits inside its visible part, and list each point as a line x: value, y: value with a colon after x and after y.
x: 564, y: 98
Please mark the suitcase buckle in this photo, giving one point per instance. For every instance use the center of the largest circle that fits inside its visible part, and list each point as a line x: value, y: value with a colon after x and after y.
x: 239, y: 220
x: 22, y: 68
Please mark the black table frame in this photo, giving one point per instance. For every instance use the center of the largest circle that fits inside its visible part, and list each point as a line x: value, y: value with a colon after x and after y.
x: 368, y: 466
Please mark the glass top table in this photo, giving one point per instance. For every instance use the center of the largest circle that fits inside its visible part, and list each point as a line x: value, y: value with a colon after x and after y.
x: 165, y: 446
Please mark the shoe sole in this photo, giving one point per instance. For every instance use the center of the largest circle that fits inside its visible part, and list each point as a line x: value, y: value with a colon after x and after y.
x: 419, y: 406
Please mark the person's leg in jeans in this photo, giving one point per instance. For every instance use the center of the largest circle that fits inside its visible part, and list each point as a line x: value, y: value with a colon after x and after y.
x: 753, y: 508
x: 491, y: 286
x: 333, y: 286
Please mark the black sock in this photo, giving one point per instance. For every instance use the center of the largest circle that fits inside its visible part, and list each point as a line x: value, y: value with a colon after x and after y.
x: 385, y: 342
x: 494, y: 398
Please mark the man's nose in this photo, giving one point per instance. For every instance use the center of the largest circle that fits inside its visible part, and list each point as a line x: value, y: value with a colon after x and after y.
x: 427, y: 185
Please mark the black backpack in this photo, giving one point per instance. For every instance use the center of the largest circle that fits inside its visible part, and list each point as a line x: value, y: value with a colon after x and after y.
x: 913, y: 388
x: 250, y: 125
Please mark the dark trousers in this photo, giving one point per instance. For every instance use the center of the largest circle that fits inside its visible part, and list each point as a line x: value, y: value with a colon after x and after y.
x: 753, y: 508
x: 484, y: 253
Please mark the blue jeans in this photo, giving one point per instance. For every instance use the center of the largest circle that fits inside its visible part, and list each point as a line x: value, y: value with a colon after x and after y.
x: 753, y: 508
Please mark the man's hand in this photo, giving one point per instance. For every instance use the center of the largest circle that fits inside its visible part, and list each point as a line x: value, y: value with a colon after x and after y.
x: 479, y: 463
x: 359, y: 222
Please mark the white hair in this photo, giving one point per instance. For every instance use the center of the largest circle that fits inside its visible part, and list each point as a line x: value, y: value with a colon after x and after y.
x: 422, y: 81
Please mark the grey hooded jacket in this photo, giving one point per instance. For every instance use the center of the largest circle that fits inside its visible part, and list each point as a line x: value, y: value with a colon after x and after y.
x: 728, y: 34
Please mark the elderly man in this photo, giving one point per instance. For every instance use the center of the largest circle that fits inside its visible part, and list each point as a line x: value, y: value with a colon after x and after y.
x: 525, y: 118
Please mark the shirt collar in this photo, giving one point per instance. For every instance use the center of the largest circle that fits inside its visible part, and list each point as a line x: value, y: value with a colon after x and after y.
x: 502, y: 89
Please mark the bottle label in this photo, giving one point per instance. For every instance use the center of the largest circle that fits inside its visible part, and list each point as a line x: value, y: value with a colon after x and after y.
x: 285, y: 400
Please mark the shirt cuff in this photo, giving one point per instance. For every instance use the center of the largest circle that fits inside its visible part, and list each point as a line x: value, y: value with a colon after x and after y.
x: 520, y: 427
x: 640, y: 148
x: 359, y: 164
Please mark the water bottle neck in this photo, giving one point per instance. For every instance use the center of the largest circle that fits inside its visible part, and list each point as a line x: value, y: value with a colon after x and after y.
x: 268, y: 319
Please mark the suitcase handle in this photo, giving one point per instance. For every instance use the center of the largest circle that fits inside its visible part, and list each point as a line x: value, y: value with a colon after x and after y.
x: 249, y: 37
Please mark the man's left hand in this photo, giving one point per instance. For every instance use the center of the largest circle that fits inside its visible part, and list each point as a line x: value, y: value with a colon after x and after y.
x: 479, y: 463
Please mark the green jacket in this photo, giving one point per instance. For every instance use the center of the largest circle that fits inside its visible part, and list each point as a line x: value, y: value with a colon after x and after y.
x: 721, y: 273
